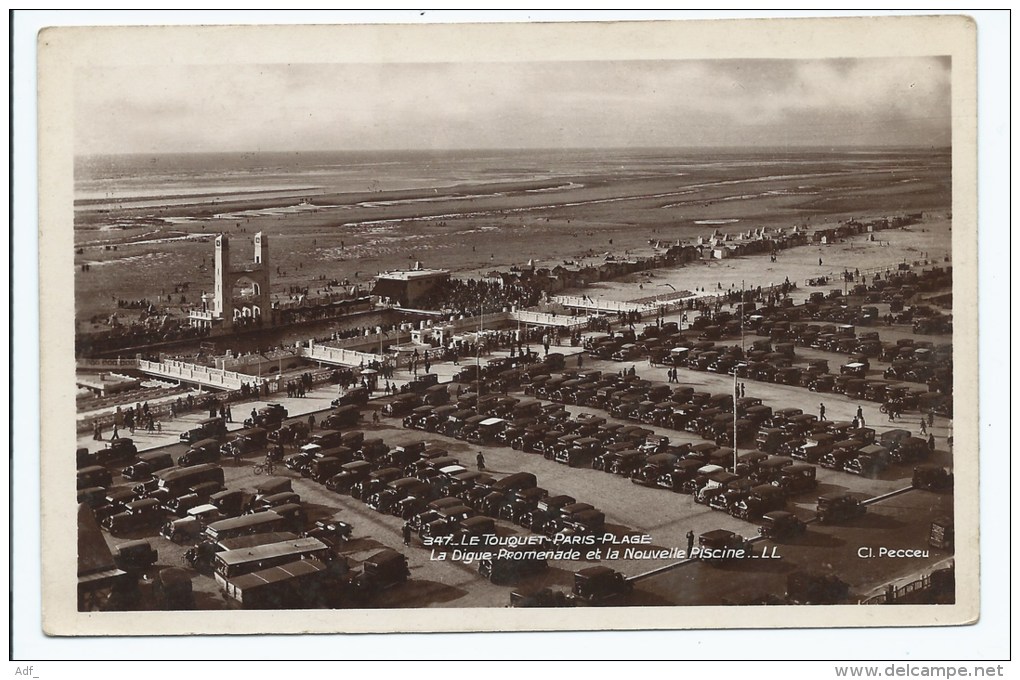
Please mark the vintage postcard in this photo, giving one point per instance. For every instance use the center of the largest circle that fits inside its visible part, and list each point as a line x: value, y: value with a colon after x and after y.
x: 390, y: 328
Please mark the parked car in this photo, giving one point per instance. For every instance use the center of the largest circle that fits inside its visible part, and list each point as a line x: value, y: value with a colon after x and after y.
x: 203, y: 451
x: 383, y: 569
x: 143, y: 514
x: 94, y: 476
x: 146, y: 464
x: 780, y: 524
x: 116, y: 451
x: 511, y: 567
x: 599, y: 583
x: 932, y: 477
x: 762, y: 499
x: 838, y: 507
x: 209, y: 428
x: 719, y: 546
x: 134, y: 556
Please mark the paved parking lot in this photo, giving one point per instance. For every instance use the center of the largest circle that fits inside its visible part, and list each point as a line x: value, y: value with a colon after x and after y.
x: 900, y: 521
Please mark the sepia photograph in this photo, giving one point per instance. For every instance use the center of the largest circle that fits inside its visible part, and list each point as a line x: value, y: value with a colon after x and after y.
x: 509, y: 327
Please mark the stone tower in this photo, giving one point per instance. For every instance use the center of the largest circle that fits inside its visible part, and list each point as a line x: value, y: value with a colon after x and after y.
x: 256, y: 303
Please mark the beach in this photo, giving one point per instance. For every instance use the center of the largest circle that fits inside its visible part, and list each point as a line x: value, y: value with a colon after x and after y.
x: 471, y: 220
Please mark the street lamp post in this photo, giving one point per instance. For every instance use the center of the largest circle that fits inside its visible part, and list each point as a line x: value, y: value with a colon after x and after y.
x: 736, y: 391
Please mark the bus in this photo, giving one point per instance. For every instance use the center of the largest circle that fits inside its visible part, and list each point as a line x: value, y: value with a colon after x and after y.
x: 200, y: 557
x: 231, y: 563
x: 177, y: 481
x: 257, y: 523
x: 288, y: 586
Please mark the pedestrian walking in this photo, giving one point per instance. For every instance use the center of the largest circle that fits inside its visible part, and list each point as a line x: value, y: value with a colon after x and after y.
x: 230, y: 417
x: 480, y: 460
x: 742, y: 390
x: 821, y: 411
x: 924, y: 427
x: 860, y: 416
x: 311, y: 422
x: 931, y: 417
x: 406, y: 532
x: 116, y: 434
x: 931, y: 442
x: 690, y: 542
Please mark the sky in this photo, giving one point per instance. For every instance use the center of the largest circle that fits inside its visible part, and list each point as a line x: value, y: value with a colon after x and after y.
x: 591, y: 104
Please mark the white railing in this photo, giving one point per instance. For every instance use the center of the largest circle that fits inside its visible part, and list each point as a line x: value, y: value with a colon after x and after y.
x: 544, y: 319
x: 107, y: 363
x: 336, y: 355
x: 203, y: 375
x: 602, y: 305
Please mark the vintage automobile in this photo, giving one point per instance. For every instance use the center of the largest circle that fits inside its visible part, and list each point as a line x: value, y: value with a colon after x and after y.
x: 230, y: 502
x: 545, y: 510
x: 384, y: 569
x: 357, y: 396
x: 375, y: 481
x: 443, y: 521
x: 815, y: 448
x: 402, y: 405
x: 487, y: 431
x: 134, y: 556
x: 511, y: 567
x: 520, y: 502
x: 116, y: 451
x: 682, y: 472
x: 333, y: 532
x: 210, y: 428
x: 203, y: 451
x: 780, y: 524
x: 396, y: 491
x: 795, y: 479
x: 349, y: 475
x: 243, y: 442
x: 599, y: 583
x: 868, y: 461
x: 838, y: 507
x: 143, y: 514
x: 715, y: 483
x: 581, y: 452
x: 760, y: 500
x: 182, y: 530
x: 146, y: 464
x: 624, y: 462
x: 474, y: 530
x: 932, y: 477
x: 584, y: 523
x: 292, y: 433
x: 94, y: 476
x: 719, y: 546
x: 342, y: 417
x: 92, y: 496
x: 910, y: 450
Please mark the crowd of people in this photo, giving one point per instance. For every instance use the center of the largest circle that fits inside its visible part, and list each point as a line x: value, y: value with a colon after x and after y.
x: 474, y: 296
